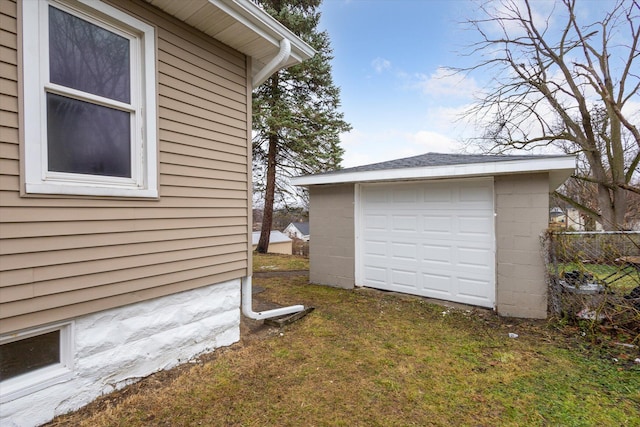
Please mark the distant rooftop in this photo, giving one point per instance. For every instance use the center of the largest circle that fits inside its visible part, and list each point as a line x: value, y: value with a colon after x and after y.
x: 303, y: 227
x: 274, y: 237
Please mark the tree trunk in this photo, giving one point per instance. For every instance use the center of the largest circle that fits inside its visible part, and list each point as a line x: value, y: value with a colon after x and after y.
x: 269, y: 195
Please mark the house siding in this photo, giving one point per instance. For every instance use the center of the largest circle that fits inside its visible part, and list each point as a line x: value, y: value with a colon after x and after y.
x: 331, y: 223
x: 522, y: 209
x: 63, y: 257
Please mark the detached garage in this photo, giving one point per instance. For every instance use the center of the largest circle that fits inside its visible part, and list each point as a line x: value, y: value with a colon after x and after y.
x: 462, y: 228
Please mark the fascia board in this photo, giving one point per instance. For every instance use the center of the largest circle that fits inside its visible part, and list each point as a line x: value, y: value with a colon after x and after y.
x: 564, y: 165
x: 263, y: 24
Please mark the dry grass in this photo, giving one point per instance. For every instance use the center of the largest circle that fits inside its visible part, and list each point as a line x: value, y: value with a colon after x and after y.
x: 366, y: 358
x: 278, y: 262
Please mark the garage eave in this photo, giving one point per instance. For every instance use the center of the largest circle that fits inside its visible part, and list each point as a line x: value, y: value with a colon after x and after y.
x: 559, y: 169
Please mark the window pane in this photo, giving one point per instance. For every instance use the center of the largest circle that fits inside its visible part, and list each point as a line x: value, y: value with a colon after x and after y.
x: 86, y: 57
x: 20, y: 357
x: 87, y: 138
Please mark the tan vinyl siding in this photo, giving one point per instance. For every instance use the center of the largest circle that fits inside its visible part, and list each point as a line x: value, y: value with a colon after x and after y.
x: 63, y: 257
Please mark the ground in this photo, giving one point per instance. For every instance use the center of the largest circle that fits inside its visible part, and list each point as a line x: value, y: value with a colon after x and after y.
x: 367, y: 357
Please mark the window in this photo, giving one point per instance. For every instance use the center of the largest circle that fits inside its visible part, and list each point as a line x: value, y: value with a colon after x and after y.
x: 35, y: 359
x: 89, y: 100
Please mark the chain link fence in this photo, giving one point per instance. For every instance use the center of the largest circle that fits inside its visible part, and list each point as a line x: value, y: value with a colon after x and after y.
x: 595, y: 276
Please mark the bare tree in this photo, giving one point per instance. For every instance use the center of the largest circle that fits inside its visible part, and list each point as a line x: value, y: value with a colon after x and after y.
x: 558, y: 81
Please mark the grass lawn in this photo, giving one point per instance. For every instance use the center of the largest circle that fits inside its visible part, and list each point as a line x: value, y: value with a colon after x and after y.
x: 367, y: 358
x: 278, y: 262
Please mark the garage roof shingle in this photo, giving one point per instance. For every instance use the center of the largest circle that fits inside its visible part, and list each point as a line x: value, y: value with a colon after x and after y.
x: 440, y: 159
x: 440, y: 165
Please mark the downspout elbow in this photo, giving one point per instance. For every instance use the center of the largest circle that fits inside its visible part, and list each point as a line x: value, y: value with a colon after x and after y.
x: 247, y: 309
x: 276, y: 63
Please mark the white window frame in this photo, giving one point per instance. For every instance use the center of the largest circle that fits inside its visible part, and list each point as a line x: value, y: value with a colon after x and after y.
x: 143, y: 110
x: 38, y: 379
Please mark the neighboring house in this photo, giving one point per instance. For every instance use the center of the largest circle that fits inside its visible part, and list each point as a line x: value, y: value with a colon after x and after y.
x: 571, y: 220
x: 125, y: 189
x: 462, y: 228
x: 576, y: 221
x: 299, y: 230
x: 557, y: 219
x: 279, y: 243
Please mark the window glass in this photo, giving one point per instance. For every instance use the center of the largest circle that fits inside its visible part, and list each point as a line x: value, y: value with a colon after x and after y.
x: 29, y: 354
x: 87, y: 57
x: 87, y: 138
x: 89, y: 99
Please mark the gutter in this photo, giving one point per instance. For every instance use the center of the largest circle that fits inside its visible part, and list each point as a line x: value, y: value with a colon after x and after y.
x: 247, y: 310
x: 276, y: 63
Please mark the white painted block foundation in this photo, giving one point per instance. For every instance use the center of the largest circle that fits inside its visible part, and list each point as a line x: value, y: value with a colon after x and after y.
x: 117, y: 347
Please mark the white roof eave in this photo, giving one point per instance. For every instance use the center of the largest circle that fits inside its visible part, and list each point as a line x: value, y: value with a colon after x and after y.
x: 257, y: 20
x: 559, y: 169
x: 258, y: 34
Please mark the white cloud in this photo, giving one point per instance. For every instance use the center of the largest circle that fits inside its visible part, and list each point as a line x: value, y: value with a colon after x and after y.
x: 380, y: 65
x: 428, y: 141
x: 363, y: 148
x: 444, y: 83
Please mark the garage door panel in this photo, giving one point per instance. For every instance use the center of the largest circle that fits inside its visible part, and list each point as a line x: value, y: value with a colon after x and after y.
x: 430, y: 239
x: 376, y: 275
x: 437, y: 225
x: 437, y: 196
x: 405, y: 195
x: 436, y: 254
x: 404, y: 251
x: 407, y: 279
x: 436, y: 285
x: 375, y: 247
x: 407, y: 223
x: 375, y: 222
x: 376, y: 196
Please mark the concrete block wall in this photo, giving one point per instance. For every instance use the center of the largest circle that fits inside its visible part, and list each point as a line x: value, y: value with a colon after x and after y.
x: 117, y: 347
x: 522, y: 208
x: 332, y: 253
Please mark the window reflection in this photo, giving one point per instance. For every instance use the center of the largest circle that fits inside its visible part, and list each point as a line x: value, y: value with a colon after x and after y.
x: 87, y: 138
x: 29, y: 354
x: 87, y: 57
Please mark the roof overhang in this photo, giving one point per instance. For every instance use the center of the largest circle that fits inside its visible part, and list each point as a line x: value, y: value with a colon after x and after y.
x: 242, y: 25
x: 559, y: 169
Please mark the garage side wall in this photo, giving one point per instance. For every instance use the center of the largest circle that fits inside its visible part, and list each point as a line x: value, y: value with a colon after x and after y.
x: 522, y: 207
x: 332, y: 231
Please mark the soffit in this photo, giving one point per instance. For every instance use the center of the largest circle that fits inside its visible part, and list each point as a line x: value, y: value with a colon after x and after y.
x: 240, y: 24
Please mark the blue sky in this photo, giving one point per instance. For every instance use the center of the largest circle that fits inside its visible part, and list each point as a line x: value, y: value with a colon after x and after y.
x: 388, y: 59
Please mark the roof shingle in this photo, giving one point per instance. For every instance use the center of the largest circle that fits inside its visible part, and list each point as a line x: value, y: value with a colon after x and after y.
x: 439, y: 159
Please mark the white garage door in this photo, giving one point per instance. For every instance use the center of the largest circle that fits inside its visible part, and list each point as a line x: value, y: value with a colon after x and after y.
x: 434, y: 239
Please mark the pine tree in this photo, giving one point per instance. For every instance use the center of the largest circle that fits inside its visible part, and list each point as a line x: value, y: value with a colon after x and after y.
x: 296, y: 121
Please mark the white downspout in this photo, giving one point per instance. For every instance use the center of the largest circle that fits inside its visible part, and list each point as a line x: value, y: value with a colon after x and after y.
x: 247, y: 294
x: 275, y: 64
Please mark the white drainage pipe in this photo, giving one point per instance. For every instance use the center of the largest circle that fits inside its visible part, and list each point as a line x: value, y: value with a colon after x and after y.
x: 276, y: 63
x: 248, y: 311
